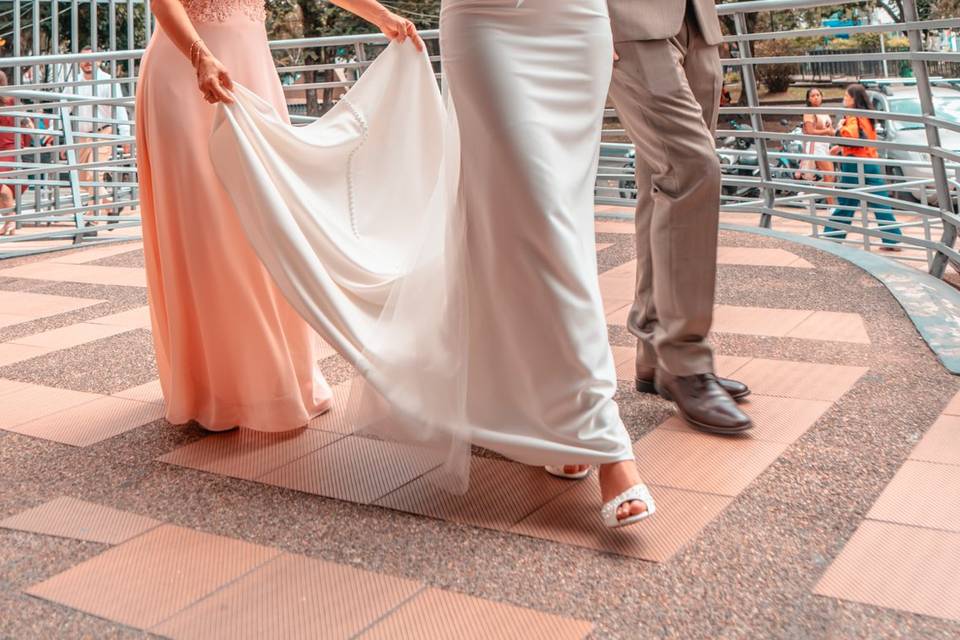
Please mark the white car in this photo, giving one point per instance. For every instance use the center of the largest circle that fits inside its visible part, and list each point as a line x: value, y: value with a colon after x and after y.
x: 905, y: 100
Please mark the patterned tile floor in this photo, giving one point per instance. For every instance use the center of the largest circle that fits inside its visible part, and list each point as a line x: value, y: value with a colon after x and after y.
x: 115, y: 523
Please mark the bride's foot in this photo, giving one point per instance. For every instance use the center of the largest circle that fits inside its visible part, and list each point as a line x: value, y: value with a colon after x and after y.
x: 625, y: 498
x: 570, y: 471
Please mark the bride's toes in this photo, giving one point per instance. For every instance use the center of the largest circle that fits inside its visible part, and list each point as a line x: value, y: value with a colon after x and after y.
x: 575, y: 468
x: 632, y: 508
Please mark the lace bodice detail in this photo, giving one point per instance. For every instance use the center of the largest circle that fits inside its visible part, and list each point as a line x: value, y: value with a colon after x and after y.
x: 220, y: 10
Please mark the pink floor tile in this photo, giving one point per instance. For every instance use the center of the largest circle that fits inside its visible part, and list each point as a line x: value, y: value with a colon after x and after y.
x: 292, y: 597
x: 832, y: 326
x: 247, y: 454
x: 440, y: 615
x: 9, y: 386
x: 147, y: 392
x: 13, y: 353
x: 574, y: 519
x: 96, y: 253
x: 35, y: 401
x: 702, y: 462
x: 763, y: 257
x: 91, y: 422
x: 500, y: 494
x: 136, y: 318
x: 727, y: 366
x: 71, y: 518
x: 775, y: 419
x: 953, y: 407
x: 941, y: 443
x: 339, y: 419
x: 921, y: 494
x: 86, y: 273
x: 898, y: 567
x: 38, y: 305
x: 153, y: 576
x: 70, y: 335
x: 758, y: 321
x: 354, y: 469
x: 803, y: 380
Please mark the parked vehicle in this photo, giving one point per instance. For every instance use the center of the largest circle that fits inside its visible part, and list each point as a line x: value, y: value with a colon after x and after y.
x: 905, y: 100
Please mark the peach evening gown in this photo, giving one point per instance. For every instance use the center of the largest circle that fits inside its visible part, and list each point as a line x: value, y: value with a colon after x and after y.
x: 230, y: 349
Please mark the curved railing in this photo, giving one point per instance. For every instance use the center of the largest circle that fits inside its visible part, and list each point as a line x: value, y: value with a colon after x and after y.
x: 64, y: 189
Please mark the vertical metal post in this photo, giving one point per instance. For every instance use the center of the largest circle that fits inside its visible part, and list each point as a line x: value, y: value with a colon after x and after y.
x: 93, y: 25
x: 148, y: 19
x: 17, y: 199
x: 939, y: 263
x: 748, y: 81
x: 864, y: 206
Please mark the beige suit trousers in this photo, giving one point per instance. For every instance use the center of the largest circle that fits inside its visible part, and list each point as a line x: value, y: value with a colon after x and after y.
x: 667, y: 94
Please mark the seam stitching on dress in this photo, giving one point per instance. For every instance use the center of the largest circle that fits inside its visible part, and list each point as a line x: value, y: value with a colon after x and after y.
x: 351, y: 205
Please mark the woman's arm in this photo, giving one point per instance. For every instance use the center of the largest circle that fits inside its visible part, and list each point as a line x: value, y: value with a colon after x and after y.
x: 392, y: 25
x: 212, y: 77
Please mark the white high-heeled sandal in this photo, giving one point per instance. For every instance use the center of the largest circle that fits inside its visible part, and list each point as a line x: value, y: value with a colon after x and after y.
x: 638, y: 492
x: 557, y: 470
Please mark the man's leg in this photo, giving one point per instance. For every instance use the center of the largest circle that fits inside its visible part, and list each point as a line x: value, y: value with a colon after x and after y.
x: 664, y: 119
x: 677, y: 231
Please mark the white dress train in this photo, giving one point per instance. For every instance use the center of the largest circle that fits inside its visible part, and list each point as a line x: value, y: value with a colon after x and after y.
x: 447, y: 250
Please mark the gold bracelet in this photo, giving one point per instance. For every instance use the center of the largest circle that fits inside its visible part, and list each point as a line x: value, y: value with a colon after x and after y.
x: 195, y: 52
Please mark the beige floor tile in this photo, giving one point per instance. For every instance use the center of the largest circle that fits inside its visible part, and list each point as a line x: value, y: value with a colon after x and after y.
x: 71, y: 518
x: 136, y: 318
x: 611, y: 304
x: 247, y: 454
x: 354, y: 469
x: 574, y: 519
x: 623, y: 273
x: 39, y: 305
x: 86, y: 273
x: 612, y: 226
x: 727, y: 366
x: 921, y: 494
x: 803, y: 380
x: 775, y: 419
x: 761, y: 257
x: 941, y: 443
x: 292, y: 597
x: 147, y: 392
x: 440, y: 615
x: 7, y: 320
x: 832, y: 326
x: 91, y: 422
x: 98, y: 253
x: 339, y: 419
x: 153, y: 576
x: 618, y: 318
x: 953, y: 407
x: 702, y: 462
x: 758, y: 321
x: 898, y: 567
x: 9, y: 386
x: 13, y: 353
x: 35, y: 401
x: 70, y: 336
x: 500, y: 494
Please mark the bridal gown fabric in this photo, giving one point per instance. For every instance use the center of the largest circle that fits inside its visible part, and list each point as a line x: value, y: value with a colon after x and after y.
x: 230, y: 349
x: 461, y: 284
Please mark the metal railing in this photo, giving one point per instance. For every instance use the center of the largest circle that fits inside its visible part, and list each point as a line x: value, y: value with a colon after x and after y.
x: 762, y: 182
x: 906, y: 200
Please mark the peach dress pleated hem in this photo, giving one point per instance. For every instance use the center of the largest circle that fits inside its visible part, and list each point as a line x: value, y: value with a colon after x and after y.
x: 230, y: 349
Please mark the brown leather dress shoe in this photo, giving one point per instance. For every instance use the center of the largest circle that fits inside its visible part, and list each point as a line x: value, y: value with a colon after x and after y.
x: 703, y: 403
x: 736, y: 389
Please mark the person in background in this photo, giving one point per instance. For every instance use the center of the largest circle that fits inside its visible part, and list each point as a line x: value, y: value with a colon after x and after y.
x: 8, y: 142
x: 817, y: 124
x: 860, y: 128
x: 96, y: 119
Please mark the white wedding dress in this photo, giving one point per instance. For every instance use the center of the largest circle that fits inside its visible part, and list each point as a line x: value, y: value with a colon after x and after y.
x: 447, y: 250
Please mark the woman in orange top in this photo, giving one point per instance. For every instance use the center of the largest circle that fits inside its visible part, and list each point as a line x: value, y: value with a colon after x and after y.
x: 860, y: 127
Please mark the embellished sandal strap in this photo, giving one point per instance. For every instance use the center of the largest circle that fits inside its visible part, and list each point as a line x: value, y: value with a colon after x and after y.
x: 638, y: 492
